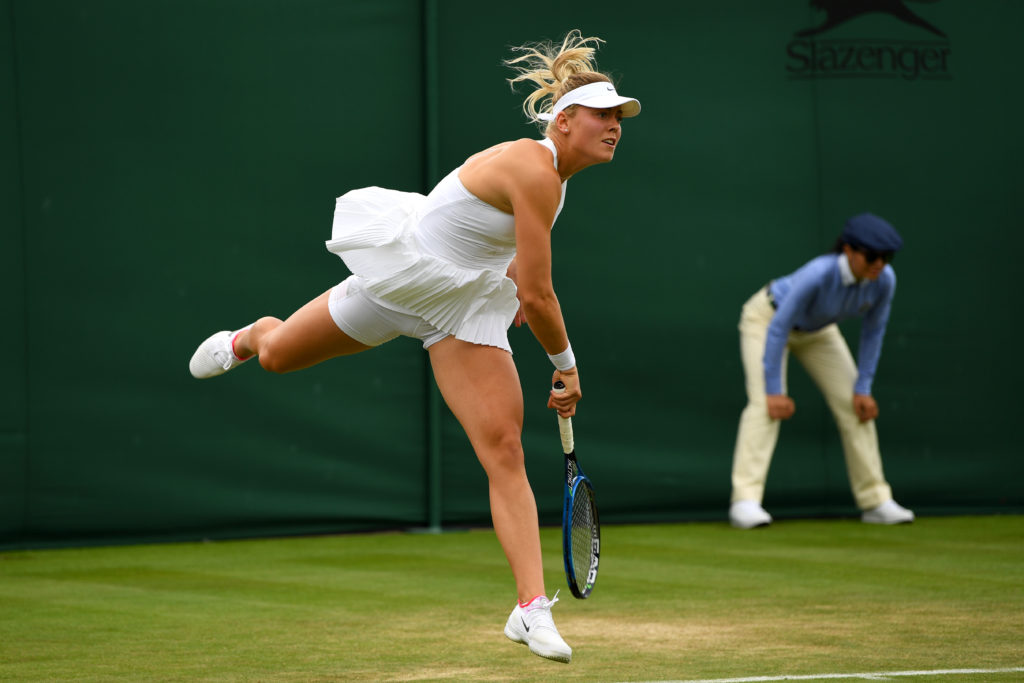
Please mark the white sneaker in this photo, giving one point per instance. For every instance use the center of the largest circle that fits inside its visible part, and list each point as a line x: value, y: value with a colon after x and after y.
x: 747, y: 514
x: 889, y: 512
x: 532, y: 625
x: 215, y: 356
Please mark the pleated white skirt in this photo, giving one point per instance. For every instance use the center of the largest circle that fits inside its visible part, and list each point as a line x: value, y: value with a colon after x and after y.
x: 374, y: 233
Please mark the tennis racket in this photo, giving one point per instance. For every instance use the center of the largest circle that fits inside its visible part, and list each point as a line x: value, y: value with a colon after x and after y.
x: 581, y: 529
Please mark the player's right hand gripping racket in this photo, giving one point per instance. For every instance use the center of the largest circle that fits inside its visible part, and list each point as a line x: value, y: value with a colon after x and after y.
x: 581, y: 529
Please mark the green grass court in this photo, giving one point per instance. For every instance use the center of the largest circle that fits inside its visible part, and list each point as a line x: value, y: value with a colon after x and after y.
x: 673, y: 602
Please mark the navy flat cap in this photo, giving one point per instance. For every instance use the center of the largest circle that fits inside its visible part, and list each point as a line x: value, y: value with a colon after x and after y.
x: 871, y: 232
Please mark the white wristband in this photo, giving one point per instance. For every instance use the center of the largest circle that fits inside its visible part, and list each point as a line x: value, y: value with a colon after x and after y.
x: 564, y: 360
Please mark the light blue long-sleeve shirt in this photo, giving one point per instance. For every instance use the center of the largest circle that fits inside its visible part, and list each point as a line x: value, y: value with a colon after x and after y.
x: 823, y: 291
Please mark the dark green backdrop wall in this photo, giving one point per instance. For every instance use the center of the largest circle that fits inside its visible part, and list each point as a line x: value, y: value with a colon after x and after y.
x: 169, y: 169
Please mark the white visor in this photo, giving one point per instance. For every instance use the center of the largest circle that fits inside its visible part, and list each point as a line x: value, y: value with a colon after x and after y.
x: 600, y: 95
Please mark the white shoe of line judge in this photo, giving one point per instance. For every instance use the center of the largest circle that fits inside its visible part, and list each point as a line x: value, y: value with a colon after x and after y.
x: 748, y: 514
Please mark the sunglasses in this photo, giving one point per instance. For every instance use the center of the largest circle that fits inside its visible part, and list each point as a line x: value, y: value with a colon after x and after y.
x: 870, y: 255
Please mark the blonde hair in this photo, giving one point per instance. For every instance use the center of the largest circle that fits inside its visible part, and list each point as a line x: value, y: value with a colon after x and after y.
x: 555, y: 70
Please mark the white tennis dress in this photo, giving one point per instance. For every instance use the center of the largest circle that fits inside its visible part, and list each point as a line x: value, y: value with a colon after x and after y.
x: 441, y: 257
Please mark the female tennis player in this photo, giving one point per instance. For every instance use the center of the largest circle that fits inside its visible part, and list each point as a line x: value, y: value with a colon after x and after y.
x: 454, y: 269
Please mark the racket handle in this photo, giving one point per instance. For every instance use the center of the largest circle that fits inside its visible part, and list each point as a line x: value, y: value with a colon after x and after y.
x: 564, y: 423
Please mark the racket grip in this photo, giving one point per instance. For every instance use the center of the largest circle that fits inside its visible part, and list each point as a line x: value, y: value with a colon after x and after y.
x: 564, y: 423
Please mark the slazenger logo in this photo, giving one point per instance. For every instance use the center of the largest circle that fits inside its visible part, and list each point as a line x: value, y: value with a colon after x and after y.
x: 809, y: 56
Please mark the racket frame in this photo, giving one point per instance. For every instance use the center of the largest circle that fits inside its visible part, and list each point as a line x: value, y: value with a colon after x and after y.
x: 577, y: 483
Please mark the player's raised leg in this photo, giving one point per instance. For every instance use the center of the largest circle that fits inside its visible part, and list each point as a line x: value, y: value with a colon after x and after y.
x: 309, y: 336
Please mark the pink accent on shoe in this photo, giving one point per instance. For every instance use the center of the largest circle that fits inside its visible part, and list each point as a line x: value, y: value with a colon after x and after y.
x: 233, y: 339
x: 529, y: 602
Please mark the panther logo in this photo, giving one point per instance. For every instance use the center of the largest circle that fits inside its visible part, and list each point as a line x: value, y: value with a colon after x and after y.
x: 841, y: 11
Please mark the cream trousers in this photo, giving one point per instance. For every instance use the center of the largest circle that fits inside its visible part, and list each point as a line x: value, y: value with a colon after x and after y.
x: 830, y: 364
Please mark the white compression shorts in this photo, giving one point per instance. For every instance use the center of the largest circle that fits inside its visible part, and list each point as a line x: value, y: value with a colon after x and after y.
x: 361, y: 317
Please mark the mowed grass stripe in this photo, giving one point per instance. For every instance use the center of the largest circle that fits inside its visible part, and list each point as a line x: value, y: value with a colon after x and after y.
x: 673, y: 602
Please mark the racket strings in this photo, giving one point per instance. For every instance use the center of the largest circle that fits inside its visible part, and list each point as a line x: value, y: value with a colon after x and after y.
x: 582, y: 534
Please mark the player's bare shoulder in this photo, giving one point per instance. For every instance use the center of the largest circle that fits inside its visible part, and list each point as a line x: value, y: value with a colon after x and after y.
x: 522, y: 155
x: 500, y: 174
x: 532, y: 159
x: 533, y: 176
